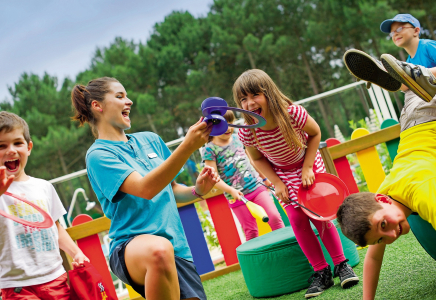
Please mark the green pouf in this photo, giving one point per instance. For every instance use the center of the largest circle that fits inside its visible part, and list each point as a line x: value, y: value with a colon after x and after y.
x: 424, y: 233
x: 274, y: 264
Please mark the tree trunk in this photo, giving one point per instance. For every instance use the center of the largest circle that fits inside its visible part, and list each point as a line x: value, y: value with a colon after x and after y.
x: 347, y: 113
x: 251, y: 59
x: 428, y: 22
x: 362, y: 98
x: 150, y: 122
x: 316, y: 92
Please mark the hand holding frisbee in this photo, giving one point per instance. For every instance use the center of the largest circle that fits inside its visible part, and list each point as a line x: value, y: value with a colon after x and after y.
x: 323, y: 197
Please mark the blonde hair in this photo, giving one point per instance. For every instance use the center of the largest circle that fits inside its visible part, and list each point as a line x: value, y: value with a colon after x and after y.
x: 257, y: 81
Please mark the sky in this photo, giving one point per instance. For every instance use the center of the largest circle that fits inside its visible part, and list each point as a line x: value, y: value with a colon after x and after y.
x: 60, y: 36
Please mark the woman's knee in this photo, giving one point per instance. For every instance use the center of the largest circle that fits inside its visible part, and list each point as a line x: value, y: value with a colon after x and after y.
x: 155, y: 252
x: 161, y: 255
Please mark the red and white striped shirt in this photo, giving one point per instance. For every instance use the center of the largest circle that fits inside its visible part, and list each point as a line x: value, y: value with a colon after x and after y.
x: 274, y: 147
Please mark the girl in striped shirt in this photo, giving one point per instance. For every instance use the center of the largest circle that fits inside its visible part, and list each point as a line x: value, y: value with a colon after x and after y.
x: 285, y: 150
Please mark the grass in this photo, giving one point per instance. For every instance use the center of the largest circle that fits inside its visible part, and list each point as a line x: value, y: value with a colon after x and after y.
x: 408, y: 272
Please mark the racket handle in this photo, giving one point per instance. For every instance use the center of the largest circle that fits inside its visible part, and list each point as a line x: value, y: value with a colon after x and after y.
x: 256, y: 210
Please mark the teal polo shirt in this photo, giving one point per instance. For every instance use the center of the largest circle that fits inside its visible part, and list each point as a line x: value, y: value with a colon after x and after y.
x: 108, y: 164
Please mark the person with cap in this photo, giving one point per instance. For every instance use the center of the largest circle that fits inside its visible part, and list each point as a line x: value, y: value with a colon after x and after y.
x: 404, y: 29
x: 416, y: 76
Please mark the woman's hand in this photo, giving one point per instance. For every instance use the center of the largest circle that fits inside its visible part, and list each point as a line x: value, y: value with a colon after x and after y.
x: 78, y: 260
x: 197, y: 135
x: 206, y: 180
x: 5, y: 181
x: 307, y: 176
x: 282, y: 192
x: 236, y: 194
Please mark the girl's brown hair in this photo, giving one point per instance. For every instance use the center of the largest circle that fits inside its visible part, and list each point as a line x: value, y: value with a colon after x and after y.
x: 230, y: 118
x: 257, y: 81
x: 82, y: 97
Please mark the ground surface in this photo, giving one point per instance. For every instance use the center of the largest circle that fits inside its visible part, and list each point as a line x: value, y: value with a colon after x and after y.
x: 408, y: 273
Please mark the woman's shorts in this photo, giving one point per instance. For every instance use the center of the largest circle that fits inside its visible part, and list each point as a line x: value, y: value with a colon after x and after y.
x: 189, y: 280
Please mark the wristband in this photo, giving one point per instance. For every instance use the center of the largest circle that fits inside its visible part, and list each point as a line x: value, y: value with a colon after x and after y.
x: 265, y: 179
x: 194, y: 192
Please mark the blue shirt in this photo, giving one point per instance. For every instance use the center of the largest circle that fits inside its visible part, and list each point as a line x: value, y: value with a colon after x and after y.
x: 425, y: 54
x: 108, y: 164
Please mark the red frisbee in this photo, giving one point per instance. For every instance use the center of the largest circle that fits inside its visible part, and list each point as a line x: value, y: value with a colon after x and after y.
x: 46, y: 223
x: 324, y: 196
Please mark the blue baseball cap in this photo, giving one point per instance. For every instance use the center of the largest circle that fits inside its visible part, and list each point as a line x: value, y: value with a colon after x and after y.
x: 406, y: 18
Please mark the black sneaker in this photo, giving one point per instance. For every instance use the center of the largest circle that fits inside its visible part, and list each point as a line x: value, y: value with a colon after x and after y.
x: 417, y: 78
x: 321, y: 280
x: 363, y: 66
x: 346, y: 275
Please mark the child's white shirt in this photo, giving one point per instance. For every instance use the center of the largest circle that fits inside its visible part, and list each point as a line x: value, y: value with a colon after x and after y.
x: 29, y: 256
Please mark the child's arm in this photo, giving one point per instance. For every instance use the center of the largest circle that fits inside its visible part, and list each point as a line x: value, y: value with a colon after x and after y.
x: 371, y: 270
x: 262, y: 163
x: 150, y: 185
x: 68, y: 245
x: 312, y: 129
x: 5, y: 181
x: 222, y: 185
x: 205, y: 182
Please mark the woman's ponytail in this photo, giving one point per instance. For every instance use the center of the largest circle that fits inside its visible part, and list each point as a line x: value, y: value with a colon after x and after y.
x: 82, y: 112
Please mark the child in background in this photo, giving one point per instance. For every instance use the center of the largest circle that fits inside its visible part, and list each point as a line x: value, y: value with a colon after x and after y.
x: 133, y: 178
x: 286, y: 151
x: 227, y: 156
x: 30, y: 262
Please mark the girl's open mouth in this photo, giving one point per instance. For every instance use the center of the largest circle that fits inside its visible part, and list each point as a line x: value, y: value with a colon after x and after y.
x: 12, y: 165
x: 257, y: 111
x: 400, y: 229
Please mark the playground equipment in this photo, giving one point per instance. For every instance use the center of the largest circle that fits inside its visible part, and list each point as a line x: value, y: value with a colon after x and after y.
x: 214, y: 108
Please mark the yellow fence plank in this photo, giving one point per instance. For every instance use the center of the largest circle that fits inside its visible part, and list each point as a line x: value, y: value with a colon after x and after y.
x: 369, y: 162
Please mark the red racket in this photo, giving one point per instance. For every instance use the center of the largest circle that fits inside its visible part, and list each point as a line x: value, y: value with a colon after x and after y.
x: 47, y: 223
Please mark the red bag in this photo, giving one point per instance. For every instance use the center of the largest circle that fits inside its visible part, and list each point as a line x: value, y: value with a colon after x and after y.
x: 87, y: 284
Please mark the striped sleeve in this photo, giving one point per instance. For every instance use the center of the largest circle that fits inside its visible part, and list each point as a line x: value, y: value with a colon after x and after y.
x: 298, y: 115
x: 245, y: 136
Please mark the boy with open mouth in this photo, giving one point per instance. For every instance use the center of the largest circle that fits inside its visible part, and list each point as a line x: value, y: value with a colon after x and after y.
x: 30, y: 261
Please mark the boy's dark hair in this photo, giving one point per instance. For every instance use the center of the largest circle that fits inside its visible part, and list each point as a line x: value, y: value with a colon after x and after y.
x: 10, y: 121
x: 230, y: 118
x: 354, y: 214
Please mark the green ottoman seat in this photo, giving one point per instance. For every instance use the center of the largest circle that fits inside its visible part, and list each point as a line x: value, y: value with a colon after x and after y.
x: 274, y: 264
